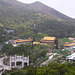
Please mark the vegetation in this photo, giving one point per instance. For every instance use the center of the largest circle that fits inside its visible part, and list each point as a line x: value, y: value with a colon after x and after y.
x: 27, y: 20
x: 51, y: 69
x: 15, y: 16
x: 37, y: 53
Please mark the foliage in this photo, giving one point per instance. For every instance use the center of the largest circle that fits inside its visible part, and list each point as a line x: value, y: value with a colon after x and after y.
x: 35, y: 52
x: 15, y: 16
x: 51, y: 69
x: 7, y: 48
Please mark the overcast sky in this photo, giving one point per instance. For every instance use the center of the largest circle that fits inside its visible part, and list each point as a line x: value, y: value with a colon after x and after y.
x: 66, y: 7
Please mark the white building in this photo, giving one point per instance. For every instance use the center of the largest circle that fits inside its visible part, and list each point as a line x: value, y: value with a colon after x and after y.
x: 71, y: 57
x: 18, y: 59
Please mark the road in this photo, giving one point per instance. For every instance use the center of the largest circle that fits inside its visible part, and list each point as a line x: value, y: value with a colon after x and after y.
x: 1, y: 63
x: 46, y: 62
x: 4, y: 66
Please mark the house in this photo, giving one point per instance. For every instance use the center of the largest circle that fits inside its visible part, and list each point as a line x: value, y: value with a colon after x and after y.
x: 69, y: 45
x: 36, y: 43
x: 70, y: 38
x: 20, y: 41
x: 48, y: 40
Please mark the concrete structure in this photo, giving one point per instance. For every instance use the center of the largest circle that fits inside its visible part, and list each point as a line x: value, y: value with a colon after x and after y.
x: 19, y: 59
x: 71, y: 57
x: 48, y: 40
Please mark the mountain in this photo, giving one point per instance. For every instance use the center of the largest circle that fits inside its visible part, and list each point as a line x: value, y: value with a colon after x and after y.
x: 42, y: 8
x: 21, y: 17
x: 36, y: 7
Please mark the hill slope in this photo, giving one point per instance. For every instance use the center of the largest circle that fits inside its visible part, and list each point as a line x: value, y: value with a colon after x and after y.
x: 33, y: 7
x: 22, y: 17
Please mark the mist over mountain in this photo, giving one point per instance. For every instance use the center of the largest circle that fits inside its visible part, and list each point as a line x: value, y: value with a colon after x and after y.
x: 21, y: 17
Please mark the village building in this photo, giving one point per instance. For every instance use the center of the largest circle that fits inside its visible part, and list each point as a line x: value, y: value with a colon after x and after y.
x: 19, y: 61
x: 36, y: 43
x: 70, y: 38
x: 48, y: 40
x: 20, y: 41
x: 69, y: 45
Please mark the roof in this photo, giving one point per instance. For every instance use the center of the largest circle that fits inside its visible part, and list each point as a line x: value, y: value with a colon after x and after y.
x: 27, y: 40
x: 46, y: 41
x: 36, y: 42
x: 49, y: 38
x: 67, y: 44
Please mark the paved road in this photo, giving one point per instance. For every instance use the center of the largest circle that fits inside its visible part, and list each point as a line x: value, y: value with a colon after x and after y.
x: 4, y: 66
x: 46, y: 62
x: 1, y: 63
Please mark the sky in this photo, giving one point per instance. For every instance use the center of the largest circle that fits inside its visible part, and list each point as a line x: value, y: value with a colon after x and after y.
x: 66, y: 7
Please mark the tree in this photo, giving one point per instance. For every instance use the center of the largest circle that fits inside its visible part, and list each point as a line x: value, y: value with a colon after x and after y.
x: 7, y: 48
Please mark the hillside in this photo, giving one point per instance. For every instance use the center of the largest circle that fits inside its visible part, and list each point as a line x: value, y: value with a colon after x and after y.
x: 36, y: 7
x: 22, y: 17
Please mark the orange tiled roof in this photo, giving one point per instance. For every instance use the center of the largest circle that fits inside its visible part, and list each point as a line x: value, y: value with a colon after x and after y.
x: 49, y: 38
x: 67, y: 44
x: 19, y: 40
x: 72, y: 44
x: 36, y: 42
x: 46, y: 41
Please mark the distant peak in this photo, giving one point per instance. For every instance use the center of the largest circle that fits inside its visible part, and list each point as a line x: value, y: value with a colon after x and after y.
x: 37, y: 2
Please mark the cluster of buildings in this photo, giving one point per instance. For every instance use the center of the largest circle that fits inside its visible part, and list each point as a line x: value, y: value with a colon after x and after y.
x: 70, y: 47
x: 45, y: 40
x: 21, y: 61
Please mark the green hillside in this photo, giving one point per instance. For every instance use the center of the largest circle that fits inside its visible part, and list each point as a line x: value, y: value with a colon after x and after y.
x: 21, y: 18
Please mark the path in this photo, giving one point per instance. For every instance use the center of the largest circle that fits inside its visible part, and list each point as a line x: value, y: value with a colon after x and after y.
x: 4, y: 66
x: 46, y: 62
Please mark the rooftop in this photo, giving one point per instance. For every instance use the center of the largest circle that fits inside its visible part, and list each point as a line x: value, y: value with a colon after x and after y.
x: 20, y: 40
x: 36, y: 42
x: 49, y: 38
x: 67, y: 44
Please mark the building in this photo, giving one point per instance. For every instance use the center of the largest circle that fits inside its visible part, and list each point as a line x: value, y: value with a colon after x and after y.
x: 20, y: 41
x: 36, y: 43
x: 69, y: 45
x: 19, y: 61
x: 71, y: 57
x: 70, y: 38
x: 48, y: 40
